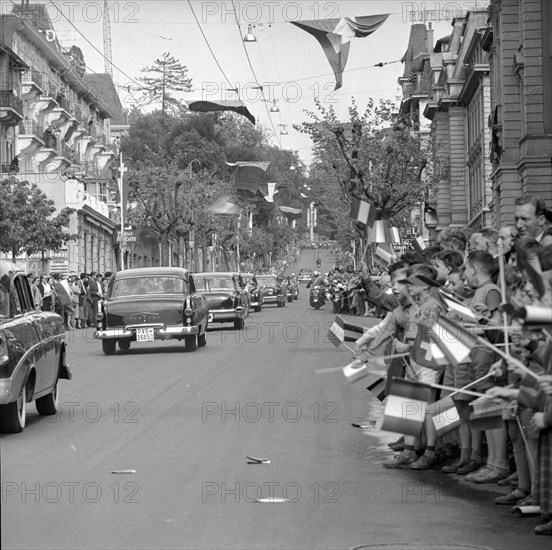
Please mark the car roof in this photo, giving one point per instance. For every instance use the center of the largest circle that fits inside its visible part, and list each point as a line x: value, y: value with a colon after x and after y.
x: 215, y: 274
x: 152, y: 272
x: 7, y: 269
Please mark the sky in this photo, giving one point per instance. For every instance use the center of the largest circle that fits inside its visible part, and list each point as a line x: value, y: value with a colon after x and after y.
x: 288, y: 62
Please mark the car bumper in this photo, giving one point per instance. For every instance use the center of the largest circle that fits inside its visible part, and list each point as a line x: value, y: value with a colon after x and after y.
x: 221, y: 315
x: 273, y: 299
x: 159, y: 333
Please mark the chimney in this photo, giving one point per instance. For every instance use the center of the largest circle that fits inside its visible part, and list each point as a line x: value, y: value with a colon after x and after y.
x: 429, y: 38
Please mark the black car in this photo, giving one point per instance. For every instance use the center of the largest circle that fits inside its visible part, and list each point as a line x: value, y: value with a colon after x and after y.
x: 227, y: 302
x: 154, y: 303
x: 274, y: 291
x: 32, y: 352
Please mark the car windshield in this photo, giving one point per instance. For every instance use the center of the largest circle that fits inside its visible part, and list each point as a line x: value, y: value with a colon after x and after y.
x: 136, y: 286
x: 4, y: 303
x: 221, y: 283
x: 268, y: 280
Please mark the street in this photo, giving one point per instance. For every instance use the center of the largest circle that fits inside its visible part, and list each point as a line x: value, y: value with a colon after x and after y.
x: 149, y: 451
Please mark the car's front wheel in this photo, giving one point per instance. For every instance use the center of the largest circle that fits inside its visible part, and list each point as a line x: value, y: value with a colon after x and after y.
x: 48, y: 405
x: 14, y: 414
x: 258, y: 308
x: 202, y: 338
x: 108, y: 346
x: 190, y: 342
x: 238, y: 324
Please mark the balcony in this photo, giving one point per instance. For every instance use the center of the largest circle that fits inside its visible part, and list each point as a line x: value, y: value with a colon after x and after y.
x: 78, y: 114
x: 30, y: 137
x: 11, y: 108
x: 50, y: 90
x: 64, y: 103
x: 31, y: 83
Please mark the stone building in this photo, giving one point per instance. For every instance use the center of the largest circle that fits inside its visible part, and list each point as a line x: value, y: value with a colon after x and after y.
x: 487, y: 90
x: 519, y: 44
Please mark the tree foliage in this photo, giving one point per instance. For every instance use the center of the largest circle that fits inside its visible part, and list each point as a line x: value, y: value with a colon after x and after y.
x: 376, y: 156
x: 166, y: 75
x: 27, y: 220
x: 178, y: 165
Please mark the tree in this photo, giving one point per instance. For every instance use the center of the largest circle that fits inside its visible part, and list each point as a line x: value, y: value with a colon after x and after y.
x: 375, y: 156
x: 27, y: 220
x: 166, y: 75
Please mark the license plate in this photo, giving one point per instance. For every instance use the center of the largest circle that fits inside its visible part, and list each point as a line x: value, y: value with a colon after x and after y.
x: 144, y: 335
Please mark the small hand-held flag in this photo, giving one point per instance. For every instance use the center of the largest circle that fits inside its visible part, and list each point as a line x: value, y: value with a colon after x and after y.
x: 336, y: 334
x: 425, y: 352
x: 454, y: 340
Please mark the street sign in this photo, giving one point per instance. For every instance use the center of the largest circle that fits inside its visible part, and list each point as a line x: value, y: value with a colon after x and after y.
x: 128, y: 237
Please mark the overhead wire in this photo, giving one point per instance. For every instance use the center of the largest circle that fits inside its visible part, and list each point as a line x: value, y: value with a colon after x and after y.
x: 91, y: 44
x: 255, y: 76
x: 208, y: 45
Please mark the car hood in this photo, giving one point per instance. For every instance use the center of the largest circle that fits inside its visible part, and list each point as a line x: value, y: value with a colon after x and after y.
x: 146, y: 311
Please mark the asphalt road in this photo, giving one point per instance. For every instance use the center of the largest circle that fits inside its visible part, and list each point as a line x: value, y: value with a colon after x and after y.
x: 184, y: 423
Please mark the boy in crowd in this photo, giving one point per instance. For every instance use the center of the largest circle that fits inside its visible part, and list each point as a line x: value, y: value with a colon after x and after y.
x: 423, y: 311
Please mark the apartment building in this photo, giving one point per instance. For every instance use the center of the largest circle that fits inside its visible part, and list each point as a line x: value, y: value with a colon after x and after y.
x: 487, y: 90
x: 56, y: 127
x: 519, y: 44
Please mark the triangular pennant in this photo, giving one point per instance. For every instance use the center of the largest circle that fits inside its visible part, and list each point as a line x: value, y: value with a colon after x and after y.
x: 334, y: 36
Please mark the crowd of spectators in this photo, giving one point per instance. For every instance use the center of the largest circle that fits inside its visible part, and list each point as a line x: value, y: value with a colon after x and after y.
x: 74, y: 297
x: 494, y: 273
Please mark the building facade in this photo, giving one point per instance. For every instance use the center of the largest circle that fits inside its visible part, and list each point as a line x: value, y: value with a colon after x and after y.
x: 487, y: 90
x: 60, y: 136
x: 519, y: 44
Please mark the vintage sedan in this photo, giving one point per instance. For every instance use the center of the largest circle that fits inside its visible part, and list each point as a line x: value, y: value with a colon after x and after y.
x: 151, y: 303
x: 227, y: 302
x: 255, y: 292
x: 274, y: 291
x: 32, y: 352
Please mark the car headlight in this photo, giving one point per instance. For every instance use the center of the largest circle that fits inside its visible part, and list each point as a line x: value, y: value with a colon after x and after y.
x: 188, y: 311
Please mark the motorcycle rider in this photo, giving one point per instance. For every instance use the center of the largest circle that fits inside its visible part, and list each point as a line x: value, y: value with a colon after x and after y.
x: 317, y: 279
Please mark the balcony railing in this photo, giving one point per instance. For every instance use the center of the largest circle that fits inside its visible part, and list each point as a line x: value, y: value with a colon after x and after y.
x: 32, y: 128
x: 65, y: 151
x: 33, y: 76
x: 8, y: 99
x: 64, y: 103
x: 50, y: 141
x: 50, y: 90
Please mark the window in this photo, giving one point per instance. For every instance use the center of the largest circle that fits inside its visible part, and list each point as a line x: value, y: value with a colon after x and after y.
x: 23, y: 294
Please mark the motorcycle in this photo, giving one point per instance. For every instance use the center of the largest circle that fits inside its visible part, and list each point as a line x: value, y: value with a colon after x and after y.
x: 292, y: 291
x: 317, y: 297
x: 337, y: 293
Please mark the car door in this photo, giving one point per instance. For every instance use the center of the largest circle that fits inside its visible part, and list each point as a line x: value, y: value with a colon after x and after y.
x: 23, y: 328
x: 199, y: 303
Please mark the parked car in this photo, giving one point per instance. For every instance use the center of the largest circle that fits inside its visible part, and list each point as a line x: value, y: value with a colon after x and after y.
x: 227, y: 302
x: 153, y: 303
x: 255, y: 292
x: 32, y: 352
x: 305, y: 275
x: 274, y: 292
